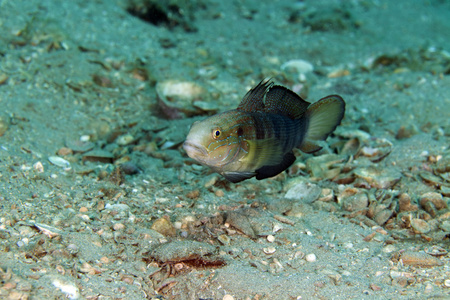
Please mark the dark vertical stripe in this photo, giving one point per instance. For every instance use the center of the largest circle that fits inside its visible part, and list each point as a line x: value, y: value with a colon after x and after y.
x: 278, y: 126
x: 259, y: 127
x: 286, y: 131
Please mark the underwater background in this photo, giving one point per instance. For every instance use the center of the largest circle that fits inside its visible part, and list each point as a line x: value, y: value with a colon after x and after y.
x: 99, y: 200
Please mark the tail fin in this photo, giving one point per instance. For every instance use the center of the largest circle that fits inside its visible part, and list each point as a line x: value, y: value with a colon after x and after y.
x: 322, y: 118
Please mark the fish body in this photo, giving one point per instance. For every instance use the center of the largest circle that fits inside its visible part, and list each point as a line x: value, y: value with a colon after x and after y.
x: 257, y: 138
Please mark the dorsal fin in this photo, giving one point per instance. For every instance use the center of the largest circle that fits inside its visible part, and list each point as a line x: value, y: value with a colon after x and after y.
x: 282, y: 101
x: 254, y: 99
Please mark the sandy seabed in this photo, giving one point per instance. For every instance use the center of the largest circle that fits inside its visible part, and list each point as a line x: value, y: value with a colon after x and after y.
x: 99, y: 200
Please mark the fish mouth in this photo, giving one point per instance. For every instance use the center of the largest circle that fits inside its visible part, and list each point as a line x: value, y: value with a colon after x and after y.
x: 194, y: 151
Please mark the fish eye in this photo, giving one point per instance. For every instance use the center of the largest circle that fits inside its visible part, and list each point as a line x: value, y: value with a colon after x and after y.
x: 216, y: 133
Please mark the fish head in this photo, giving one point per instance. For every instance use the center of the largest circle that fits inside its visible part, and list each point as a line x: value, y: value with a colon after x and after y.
x: 213, y: 142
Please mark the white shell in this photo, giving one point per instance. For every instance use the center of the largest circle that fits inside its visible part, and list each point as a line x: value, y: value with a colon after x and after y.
x: 269, y: 250
x: 298, y: 66
x: 58, y: 161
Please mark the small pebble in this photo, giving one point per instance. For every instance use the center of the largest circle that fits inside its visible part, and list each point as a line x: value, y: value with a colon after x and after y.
x: 118, y: 226
x: 219, y: 193
x: 193, y: 194
x: 428, y: 288
x: 105, y: 260
x: 38, y: 167
x: 269, y: 250
x: 3, y: 125
x: 177, y: 225
x: 9, y: 285
x: 276, y: 227
x: 224, y: 239
x: 83, y: 209
x: 338, y: 73
x: 64, y: 151
x: 3, y: 78
x: 389, y: 248
x: 68, y: 288
x: 404, y: 202
x: 405, y: 132
x: 445, y: 225
x: 130, y: 168
x: 125, y: 139
x: 164, y: 226
x: 310, y: 257
x: 382, y: 216
x: 375, y: 287
x: 353, y: 199
x: 228, y: 297
x: 270, y: 238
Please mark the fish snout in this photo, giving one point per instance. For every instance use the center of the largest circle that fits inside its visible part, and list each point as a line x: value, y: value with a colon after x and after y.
x: 194, y: 150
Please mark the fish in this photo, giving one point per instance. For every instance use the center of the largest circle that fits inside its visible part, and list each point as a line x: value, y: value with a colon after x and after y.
x: 258, y: 137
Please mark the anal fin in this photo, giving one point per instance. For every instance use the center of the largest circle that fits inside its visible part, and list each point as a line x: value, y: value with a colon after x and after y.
x: 270, y: 171
x: 236, y: 177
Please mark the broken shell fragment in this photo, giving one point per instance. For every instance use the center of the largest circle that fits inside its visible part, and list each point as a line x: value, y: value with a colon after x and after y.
x: 419, y: 259
x: 378, y: 177
x: 351, y: 147
x: 206, y: 106
x: 431, y: 179
x: 176, y: 98
x: 353, y: 199
x: 436, y: 251
x: 240, y: 222
x: 443, y: 165
x: 325, y: 166
x: 99, y: 156
x: 79, y: 145
x: 326, y: 195
x: 404, y: 202
x: 420, y: 226
x: 434, y: 198
x: 303, y: 191
x: 178, y: 251
x: 382, y: 216
x: 48, y: 230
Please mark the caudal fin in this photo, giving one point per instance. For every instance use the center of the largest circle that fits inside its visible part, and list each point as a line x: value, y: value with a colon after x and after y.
x: 322, y: 118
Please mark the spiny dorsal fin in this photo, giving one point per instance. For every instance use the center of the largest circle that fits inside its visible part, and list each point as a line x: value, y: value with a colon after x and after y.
x: 282, y: 101
x: 253, y: 100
